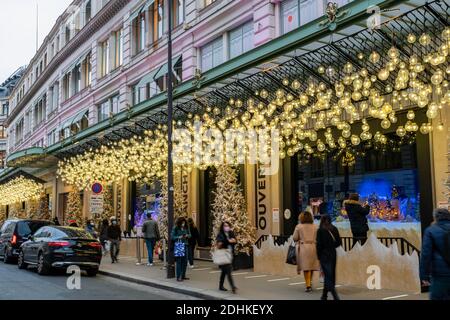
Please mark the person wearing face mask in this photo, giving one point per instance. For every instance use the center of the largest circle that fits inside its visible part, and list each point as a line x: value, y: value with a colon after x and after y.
x: 114, y: 236
x: 90, y: 227
x: 226, y: 240
x: 180, y: 232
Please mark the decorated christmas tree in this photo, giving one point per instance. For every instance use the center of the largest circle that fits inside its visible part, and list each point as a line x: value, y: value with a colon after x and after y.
x: 2, y: 214
x: 74, y: 207
x: 229, y: 205
x: 44, y: 212
x: 32, y: 209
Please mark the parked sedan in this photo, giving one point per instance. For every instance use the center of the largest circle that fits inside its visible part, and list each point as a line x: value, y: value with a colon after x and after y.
x: 53, y: 247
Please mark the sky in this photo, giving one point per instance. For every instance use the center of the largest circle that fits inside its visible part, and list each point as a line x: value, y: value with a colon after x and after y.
x: 18, y: 30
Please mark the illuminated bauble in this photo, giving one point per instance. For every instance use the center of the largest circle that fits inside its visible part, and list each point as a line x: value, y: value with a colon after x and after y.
x: 383, y: 74
x: 392, y: 117
x: 264, y: 94
x: 355, y: 140
x: 414, y: 127
x: 388, y: 88
x: 348, y: 67
x: 424, y: 129
x: 437, y: 78
x: 285, y: 82
x: 432, y: 113
x: 378, y: 101
x: 360, y: 55
x: 401, y: 132
x: 356, y: 96
x: 410, y: 115
x: 303, y: 99
x: 374, y: 57
x: 422, y: 102
x: 411, y: 38
x: 387, y: 108
x: 425, y: 39
x: 393, y: 53
x: 446, y: 34
x: 385, y: 124
x: 321, y: 146
x: 279, y: 93
x: 321, y: 69
x: 346, y: 133
x: 330, y: 72
x: 313, y: 136
x: 296, y: 84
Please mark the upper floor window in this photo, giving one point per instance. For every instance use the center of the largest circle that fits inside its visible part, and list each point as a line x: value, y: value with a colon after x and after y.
x: 2, y: 159
x: 295, y: 13
x: 2, y: 132
x: 67, y: 33
x: 104, y: 49
x: 5, y: 109
x: 87, y: 71
x: 51, y: 137
x: 108, y: 108
x: 139, y: 32
x: 208, y: 2
x: 212, y: 54
x: 179, y: 12
x: 117, y: 49
x: 19, y: 130
x: 158, y: 18
x: 88, y: 11
x: 241, y: 39
x: 76, y: 79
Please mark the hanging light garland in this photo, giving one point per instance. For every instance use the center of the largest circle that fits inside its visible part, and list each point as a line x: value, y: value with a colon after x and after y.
x: 299, y: 118
x: 20, y: 189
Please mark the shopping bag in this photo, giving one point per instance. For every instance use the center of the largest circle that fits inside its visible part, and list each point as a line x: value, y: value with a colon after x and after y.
x: 222, y: 257
x: 179, y: 249
x: 292, y: 255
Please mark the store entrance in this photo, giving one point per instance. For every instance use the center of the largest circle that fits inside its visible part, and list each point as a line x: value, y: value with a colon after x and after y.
x: 207, y: 189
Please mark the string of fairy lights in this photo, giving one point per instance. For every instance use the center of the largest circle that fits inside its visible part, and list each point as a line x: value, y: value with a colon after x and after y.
x: 307, y: 122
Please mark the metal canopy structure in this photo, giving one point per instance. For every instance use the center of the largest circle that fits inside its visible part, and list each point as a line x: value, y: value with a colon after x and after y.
x: 301, y: 53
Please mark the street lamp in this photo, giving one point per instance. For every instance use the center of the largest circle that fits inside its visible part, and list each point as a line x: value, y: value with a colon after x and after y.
x: 170, y: 262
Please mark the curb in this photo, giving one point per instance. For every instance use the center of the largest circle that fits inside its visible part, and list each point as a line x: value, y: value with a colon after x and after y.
x: 188, y: 292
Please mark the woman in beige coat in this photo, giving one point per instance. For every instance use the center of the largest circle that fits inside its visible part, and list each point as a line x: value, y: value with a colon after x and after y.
x: 305, y: 236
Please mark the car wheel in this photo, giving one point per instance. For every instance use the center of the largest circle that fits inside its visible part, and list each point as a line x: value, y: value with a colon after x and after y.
x: 6, y: 257
x: 42, y: 267
x: 92, y: 272
x: 21, y: 264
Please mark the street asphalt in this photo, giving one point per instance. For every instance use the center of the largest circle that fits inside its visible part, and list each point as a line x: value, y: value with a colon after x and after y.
x: 18, y: 284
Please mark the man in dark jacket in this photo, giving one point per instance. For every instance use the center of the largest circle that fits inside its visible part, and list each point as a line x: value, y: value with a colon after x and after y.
x: 150, y: 231
x: 435, y: 256
x: 357, y: 214
x: 114, y: 236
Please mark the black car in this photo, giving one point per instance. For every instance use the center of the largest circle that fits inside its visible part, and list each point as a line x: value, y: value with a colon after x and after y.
x: 57, y: 247
x: 14, y: 232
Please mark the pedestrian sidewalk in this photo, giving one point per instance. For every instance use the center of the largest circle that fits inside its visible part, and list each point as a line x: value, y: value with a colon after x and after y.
x: 204, y: 280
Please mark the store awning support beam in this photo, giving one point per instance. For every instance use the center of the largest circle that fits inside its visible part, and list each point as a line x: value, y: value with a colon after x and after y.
x: 250, y: 91
x: 436, y: 14
x: 312, y: 72
x: 271, y: 77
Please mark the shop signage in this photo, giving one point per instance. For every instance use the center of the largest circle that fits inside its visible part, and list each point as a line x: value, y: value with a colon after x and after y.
x: 185, y: 190
x: 96, y: 204
x: 261, y: 199
x: 276, y: 215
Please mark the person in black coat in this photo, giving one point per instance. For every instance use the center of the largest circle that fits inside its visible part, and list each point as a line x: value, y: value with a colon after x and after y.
x: 435, y: 256
x: 192, y: 241
x: 328, y: 239
x: 357, y: 214
x: 226, y: 239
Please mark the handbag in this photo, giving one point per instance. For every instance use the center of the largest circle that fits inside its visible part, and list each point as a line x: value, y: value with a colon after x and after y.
x: 180, y: 249
x: 292, y: 254
x: 222, y: 257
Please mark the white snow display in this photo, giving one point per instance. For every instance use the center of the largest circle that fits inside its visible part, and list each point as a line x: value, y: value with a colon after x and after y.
x: 398, y: 272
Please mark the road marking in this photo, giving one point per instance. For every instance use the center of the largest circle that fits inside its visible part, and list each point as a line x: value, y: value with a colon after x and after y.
x: 395, y: 297
x: 239, y: 273
x: 296, y: 283
x: 281, y: 279
x: 319, y: 288
x: 201, y: 269
x: 215, y: 271
x: 260, y: 276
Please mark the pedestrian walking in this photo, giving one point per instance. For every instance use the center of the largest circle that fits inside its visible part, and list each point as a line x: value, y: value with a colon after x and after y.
x: 328, y: 239
x: 180, y: 235
x: 305, y: 235
x: 193, y: 240
x: 90, y: 228
x: 357, y: 214
x: 150, y: 231
x: 114, y: 236
x: 435, y: 256
x: 104, y: 236
x: 226, y: 239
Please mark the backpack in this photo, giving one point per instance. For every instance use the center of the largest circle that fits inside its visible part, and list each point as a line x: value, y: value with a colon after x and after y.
x: 446, y: 254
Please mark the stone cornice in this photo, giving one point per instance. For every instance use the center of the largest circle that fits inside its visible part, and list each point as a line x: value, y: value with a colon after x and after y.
x: 100, y: 19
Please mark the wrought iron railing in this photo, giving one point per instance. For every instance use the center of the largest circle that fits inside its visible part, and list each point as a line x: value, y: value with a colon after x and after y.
x: 403, y: 245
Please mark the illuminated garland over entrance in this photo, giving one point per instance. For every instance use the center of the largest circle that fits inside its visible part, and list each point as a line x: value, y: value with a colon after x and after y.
x: 20, y: 189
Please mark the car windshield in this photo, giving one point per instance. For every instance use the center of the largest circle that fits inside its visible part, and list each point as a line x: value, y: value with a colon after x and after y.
x: 72, y: 233
x: 25, y: 228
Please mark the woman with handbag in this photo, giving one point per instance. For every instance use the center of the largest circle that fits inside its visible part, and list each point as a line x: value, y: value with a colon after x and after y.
x: 328, y: 239
x: 305, y: 235
x: 180, y: 236
x: 225, y: 241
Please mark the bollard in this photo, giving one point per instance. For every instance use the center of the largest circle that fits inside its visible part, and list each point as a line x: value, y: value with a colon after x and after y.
x: 164, y: 255
x: 138, y: 251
